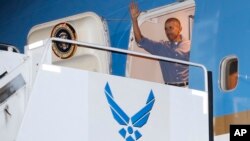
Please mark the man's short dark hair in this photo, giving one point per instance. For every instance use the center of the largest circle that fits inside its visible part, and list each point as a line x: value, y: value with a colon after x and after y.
x: 173, y: 19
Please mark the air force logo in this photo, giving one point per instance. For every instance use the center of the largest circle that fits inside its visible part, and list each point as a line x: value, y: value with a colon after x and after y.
x: 130, y: 125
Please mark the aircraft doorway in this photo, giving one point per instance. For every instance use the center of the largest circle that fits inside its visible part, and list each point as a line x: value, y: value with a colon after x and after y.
x: 152, y: 24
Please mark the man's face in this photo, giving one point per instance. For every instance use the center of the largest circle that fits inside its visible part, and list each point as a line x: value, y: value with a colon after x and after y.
x: 172, y: 30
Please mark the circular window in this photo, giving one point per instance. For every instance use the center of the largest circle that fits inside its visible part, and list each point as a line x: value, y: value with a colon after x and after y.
x: 229, y: 73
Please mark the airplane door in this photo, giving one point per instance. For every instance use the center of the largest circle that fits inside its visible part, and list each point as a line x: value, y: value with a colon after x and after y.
x: 152, y: 26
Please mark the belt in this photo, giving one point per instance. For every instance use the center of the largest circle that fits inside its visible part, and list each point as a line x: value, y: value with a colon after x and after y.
x: 181, y: 84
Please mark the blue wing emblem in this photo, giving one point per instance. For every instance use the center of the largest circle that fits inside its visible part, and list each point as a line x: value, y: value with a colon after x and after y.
x: 141, y: 117
x: 138, y: 120
x: 119, y: 115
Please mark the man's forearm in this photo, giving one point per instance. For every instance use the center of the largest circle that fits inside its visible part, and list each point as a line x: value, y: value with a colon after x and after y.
x: 137, y: 31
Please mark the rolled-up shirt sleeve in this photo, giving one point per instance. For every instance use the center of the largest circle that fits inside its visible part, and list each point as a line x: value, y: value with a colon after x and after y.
x: 164, y: 49
x: 150, y: 46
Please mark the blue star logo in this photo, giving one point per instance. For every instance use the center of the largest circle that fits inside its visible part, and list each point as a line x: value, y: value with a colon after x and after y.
x: 130, y: 125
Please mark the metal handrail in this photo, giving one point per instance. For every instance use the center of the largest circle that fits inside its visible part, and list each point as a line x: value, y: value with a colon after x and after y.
x: 101, y: 47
